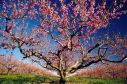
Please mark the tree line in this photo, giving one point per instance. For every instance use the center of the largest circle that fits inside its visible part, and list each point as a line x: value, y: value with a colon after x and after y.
x: 10, y: 65
x: 106, y: 71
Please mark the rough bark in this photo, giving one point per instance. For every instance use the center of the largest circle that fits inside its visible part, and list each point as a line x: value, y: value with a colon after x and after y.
x: 62, y: 80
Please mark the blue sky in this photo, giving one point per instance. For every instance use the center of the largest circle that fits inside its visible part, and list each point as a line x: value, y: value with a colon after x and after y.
x: 118, y: 25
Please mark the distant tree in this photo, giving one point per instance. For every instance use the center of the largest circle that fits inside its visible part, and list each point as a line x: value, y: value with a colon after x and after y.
x: 8, y: 64
x: 106, y: 71
x: 112, y: 71
x: 2, y: 69
x: 97, y: 71
x: 116, y: 70
x: 59, y: 35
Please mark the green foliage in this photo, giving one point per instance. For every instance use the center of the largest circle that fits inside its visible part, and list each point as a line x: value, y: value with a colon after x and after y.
x: 29, y: 79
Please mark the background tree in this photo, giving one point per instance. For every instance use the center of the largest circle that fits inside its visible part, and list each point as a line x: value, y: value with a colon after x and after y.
x: 2, y: 69
x: 59, y: 35
x: 8, y: 64
x: 110, y: 70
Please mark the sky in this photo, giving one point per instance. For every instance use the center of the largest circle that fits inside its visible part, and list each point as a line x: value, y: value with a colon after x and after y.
x: 119, y: 25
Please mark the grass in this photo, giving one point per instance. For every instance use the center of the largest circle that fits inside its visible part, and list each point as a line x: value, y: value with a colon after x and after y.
x: 84, y: 80
x: 31, y: 79
x: 25, y: 79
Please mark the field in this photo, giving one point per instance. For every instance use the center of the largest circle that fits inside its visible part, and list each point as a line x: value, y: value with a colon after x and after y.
x: 31, y: 79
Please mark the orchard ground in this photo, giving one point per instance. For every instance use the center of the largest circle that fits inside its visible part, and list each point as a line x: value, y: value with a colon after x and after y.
x: 36, y: 79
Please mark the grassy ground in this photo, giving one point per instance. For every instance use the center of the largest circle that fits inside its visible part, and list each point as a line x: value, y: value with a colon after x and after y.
x: 83, y: 80
x: 25, y: 79
x: 31, y: 79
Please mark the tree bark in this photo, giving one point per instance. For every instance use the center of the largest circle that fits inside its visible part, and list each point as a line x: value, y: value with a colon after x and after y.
x: 8, y: 72
x: 62, y: 80
x: 62, y: 77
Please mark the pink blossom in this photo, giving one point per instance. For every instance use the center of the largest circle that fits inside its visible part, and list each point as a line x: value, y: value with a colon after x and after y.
x: 10, y: 27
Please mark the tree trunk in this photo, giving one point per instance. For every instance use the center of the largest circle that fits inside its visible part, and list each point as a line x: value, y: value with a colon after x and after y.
x: 62, y: 80
x: 8, y: 71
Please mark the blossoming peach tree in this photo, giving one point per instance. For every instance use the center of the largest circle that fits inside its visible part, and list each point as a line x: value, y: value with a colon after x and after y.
x: 59, y: 35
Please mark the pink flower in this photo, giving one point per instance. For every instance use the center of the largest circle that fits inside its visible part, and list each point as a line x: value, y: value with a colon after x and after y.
x: 76, y: 10
x: 42, y: 26
x: 10, y: 27
x: 64, y: 10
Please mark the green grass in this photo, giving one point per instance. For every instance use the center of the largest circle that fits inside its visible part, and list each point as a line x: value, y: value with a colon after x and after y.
x: 31, y: 79
x: 84, y: 80
x: 25, y: 79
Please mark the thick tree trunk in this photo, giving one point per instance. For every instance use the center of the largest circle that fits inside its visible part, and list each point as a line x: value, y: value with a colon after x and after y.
x: 62, y: 80
x: 8, y: 72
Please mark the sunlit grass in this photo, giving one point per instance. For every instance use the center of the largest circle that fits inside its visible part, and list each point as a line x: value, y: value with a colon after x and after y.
x: 33, y: 79
x: 25, y: 79
x: 84, y: 80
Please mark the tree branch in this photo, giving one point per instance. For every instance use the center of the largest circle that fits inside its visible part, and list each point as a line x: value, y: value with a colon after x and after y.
x: 118, y: 61
x: 54, y: 38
